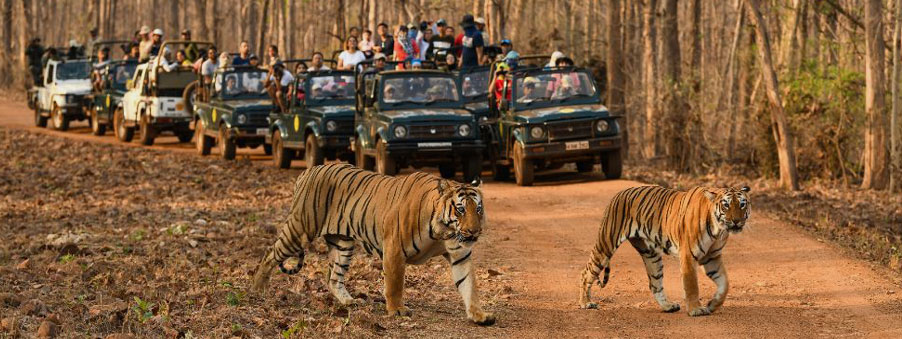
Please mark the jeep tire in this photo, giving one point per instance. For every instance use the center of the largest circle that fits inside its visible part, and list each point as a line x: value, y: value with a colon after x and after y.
x: 202, y: 142
x: 60, y: 120
x: 612, y: 164
x: 281, y: 156
x: 524, y: 170
x: 97, y: 128
x: 385, y: 164
x: 39, y: 120
x: 363, y: 161
x: 148, y: 134
x: 313, y: 155
x: 123, y: 132
x: 226, y: 146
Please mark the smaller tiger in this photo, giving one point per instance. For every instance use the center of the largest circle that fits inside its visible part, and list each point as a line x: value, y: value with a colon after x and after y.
x: 694, y: 225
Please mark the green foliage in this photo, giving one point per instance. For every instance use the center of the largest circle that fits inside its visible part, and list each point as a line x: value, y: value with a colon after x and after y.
x: 233, y: 298
x: 137, y: 236
x: 298, y: 326
x: 67, y: 258
x: 143, y: 309
x: 825, y: 109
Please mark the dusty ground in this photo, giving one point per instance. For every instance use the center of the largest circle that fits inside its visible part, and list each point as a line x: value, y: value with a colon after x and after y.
x: 101, y: 238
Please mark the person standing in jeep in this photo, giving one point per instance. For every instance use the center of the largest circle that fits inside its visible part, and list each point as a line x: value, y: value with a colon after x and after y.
x: 472, y: 42
x: 384, y: 43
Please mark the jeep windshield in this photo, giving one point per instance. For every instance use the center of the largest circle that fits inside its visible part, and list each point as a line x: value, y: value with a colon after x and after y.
x: 241, y: 84
x: 553, y: 88
x: 120, y: 74
x: 475, y: 84
x: 420, y: 89
x: 75, y: 70
x: 331, y: 87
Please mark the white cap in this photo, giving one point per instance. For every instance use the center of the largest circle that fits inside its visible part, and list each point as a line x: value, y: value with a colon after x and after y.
x: 556, y: 55
x: 73, y: 43
x: 480, y: 20
x: 144, y: 30
x: 158, y: 32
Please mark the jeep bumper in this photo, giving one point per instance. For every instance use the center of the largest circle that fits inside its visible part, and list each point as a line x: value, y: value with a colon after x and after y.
x: 434, y: 152
x: 572, y: 149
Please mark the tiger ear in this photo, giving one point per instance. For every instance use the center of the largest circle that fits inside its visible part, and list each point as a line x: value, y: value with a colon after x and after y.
x: 711, y: 196
x: 476, y: 182
x: 745, y: 189
x: 443, y: 186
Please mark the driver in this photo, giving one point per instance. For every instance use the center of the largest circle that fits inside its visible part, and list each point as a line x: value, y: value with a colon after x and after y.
x: 434, y: 93
x: 316, y: 92
x: 389, y: 94
x: 231, y: 85
x: 529, y: 90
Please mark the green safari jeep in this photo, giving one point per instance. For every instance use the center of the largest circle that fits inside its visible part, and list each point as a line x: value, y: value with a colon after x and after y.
x: 108, y: 95
x: 235, y: 114
x: 320, y: 120
x: 553, y: 116
x: 415, y: 118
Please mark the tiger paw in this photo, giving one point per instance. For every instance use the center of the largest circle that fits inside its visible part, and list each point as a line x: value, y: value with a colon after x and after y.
x: 670, y: 307
x: 589, y: 306
x: 402, y: 311
x: 484, y: 319
x: 700, y: 311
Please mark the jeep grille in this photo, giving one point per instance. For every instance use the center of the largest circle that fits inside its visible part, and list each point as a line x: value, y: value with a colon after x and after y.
x: 426, y: 131
x: 570, y: 130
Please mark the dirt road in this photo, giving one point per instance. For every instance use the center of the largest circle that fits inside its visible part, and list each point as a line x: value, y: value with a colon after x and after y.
x: 784, y: 282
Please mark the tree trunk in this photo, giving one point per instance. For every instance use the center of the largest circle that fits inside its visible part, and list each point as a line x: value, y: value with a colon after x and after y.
x: 875, y: 153
x: 676, y: 144
x: 264, y: 17
x: 371, y: 16
x: 173, y: 19
x: 615, y: 99
x: 894, y: 118
x: 731, y: 74
x: 652, y: 147
x: 203, y: 31
x: 782, y: 136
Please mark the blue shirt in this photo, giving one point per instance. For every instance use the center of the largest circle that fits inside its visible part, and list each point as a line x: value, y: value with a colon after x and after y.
x: 239, y: 61
x: 472, y: 40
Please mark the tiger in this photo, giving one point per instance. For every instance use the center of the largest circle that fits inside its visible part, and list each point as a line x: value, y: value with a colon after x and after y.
x: 404, y: 220
x: 694, y: 225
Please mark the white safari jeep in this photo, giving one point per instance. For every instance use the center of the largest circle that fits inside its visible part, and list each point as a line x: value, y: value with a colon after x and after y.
x: 62, y: 94
x: 154, y: 102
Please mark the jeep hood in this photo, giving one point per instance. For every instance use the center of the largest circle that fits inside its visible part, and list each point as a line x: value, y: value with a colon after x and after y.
x: 544, y: 114
x: 77, y: 87
x: 248, y: 105
x: 429, y: 114
x: 338, y: 110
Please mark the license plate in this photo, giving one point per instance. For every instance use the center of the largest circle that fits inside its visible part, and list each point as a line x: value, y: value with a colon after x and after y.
x: 262, y: 131
x: 577, y: 145
x: 433, y: 144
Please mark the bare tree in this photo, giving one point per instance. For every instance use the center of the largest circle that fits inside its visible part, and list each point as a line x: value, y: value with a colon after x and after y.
x: 785, y: 148
x: 652, y: 144
x: 875, y: 150
x: 614, y: 67
x: 897, y: 72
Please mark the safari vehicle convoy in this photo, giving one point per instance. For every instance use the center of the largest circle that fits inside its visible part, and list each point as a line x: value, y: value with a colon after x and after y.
x: 154, y: 101
x: 415, y: 118
x: 234, y: 114
x: 62, y: 93
x: 552, y: 116
x: 319, y: 122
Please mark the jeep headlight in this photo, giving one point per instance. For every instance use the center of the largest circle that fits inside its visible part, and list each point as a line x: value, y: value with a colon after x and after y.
x: 331, y: 126
x: 400, y: 131
x: 463, y: 130
x: 242, y: 119
x: 602, y: 126
x: 536, y: 132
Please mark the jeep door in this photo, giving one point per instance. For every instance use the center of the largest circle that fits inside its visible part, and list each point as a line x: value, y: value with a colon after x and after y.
x: 45, y: 93
x: 133, y: 96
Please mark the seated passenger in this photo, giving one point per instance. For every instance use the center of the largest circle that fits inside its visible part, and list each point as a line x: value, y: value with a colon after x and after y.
x: 434, y: 93
x: 278, y: 83
x: 416, y: 64
x: 300, y: 68
x: 554, y: 56
x: 316, y: 63
x: 316, y: 92
x: 254, y: 61
x: 529, y: 90
x: 389, y: 94
x: 182, y: 59
x: 379, y: 62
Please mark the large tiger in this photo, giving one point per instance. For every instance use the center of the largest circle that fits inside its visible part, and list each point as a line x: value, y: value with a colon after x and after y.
x: 405, y: 220
x: 694, y: 224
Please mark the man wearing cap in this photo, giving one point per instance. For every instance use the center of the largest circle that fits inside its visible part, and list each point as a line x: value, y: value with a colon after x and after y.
x: 529, y: 90
x: 157, y: 36
x: 93, y: 40
x: 191, y: 52
x: 480, y: 25
x: 145, y: 45
x: 379, y: 62
x: 439, y: 27
x: 440, y: 44
x: 506, y: 47
x: 277, y: 83
x: 472, y: 44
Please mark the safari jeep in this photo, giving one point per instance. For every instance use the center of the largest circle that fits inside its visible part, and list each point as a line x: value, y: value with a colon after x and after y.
x: 474, y: 90
x: 415, y: 117
x: 154, y: 101
x: 62, y: 96
x: 554, y: 116
x: 319, y: 121
x: 107, y: 94
x: 235, y: 114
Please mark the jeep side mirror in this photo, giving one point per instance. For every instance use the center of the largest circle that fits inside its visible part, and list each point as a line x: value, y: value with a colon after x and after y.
x: 129, y: 84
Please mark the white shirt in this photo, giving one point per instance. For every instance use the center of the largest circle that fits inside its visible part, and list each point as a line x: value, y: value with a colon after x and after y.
x: 351, y: 59
x: 208, y: 68
x: 287, y: 78
x: 321, y: 68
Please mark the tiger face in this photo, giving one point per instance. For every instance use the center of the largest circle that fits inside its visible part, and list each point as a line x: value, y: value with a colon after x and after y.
x: 731, y: 208
x: 464, y: 214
